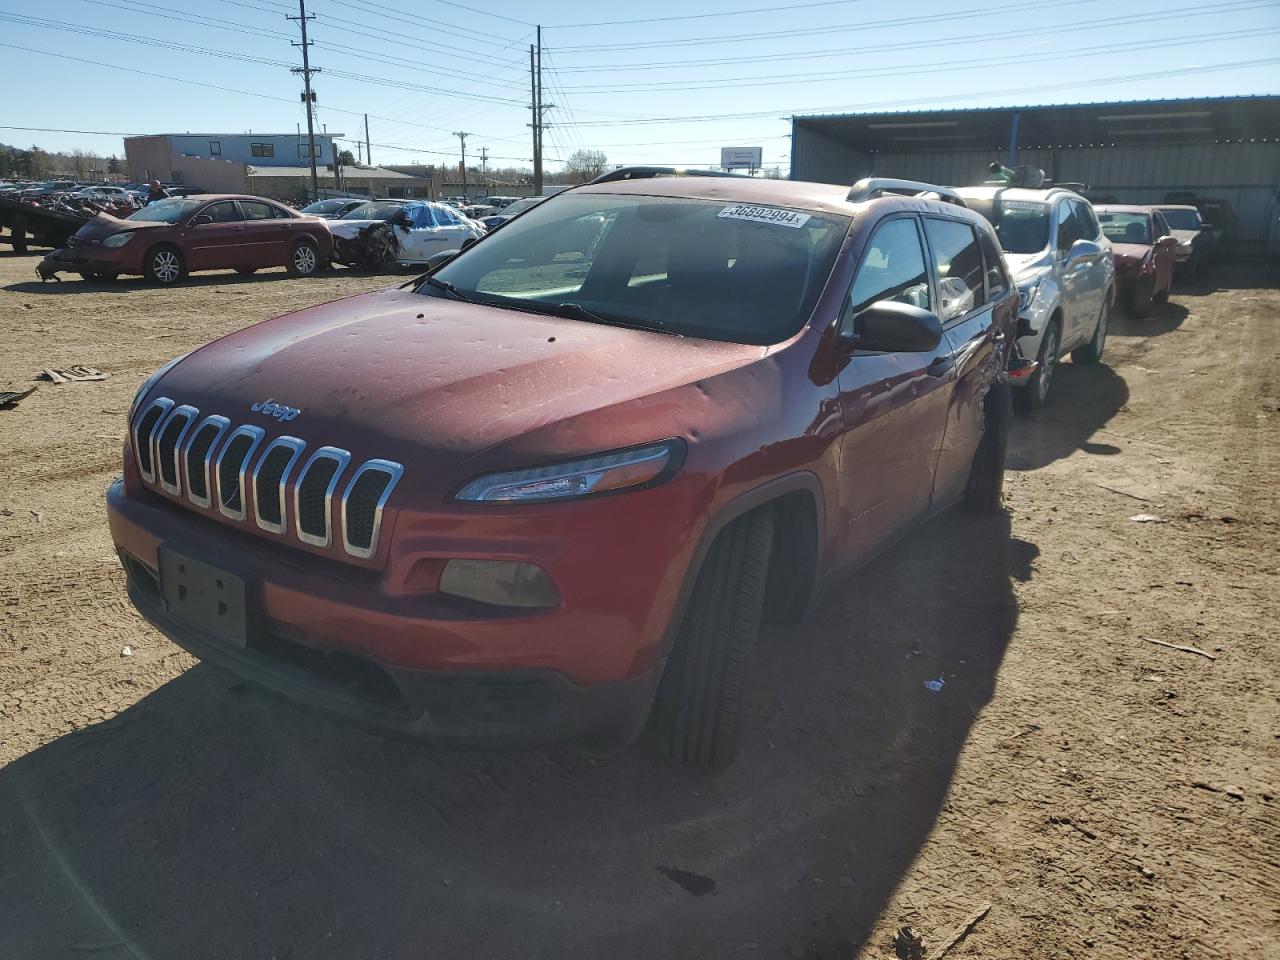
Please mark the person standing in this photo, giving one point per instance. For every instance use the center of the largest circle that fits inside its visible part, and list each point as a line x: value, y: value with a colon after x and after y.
x: 156, y: 192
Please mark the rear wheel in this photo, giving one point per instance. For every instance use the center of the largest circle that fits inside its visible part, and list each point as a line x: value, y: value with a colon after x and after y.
x: 985, y: 490
x: 697, y: 715
x: 165, y: 266
x: 1091, y: 352
x: 1036, y: 393
x: 304, y: 261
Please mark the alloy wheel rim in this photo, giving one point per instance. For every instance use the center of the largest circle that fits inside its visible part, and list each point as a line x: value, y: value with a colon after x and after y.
x: 1101, y: 334
x: 166, y: 267
x: 1050, y: 360
x: 304, y: 259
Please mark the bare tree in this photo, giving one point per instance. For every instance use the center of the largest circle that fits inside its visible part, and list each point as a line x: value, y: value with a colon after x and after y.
x: 584, y: 165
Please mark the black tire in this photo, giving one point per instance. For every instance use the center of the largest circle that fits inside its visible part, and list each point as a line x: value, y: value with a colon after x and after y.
x: 1091, y: 352
x: 1140, y: 298
x: 246, y: 271
x: 100, y: 276
x: 165, y: 266
x: 1163, y: 295
x: 985, y: 490
x: 304, y: 259
x: 697, y: 714
x: 1035, y: 395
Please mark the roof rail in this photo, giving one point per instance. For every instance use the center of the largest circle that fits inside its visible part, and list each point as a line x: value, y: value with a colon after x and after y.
x: 868, y: 188
x: 644, y: 173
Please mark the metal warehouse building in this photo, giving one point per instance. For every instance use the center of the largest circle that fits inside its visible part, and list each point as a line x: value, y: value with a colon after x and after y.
x: 1225, y: 148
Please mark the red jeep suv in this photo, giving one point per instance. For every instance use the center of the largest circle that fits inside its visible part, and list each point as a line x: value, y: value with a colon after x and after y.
x: 547, y: 492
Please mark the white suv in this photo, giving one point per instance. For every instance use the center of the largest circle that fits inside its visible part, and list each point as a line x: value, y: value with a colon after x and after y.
x: 1065, y: 273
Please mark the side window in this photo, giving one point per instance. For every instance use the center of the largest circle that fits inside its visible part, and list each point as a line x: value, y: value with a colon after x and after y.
x: 280, y: 213
x: 1088, y: 222
x: 997, y: 278
x: 1068, y: 228
x: 958, y: 260
x: 446, y: 217
x: 254, y: 210
x: 1162, y: 225
x: 892, y: 269
x: 223, y: 212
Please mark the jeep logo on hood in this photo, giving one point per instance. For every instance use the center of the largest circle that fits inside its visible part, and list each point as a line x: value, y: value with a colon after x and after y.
x: 278, y: 410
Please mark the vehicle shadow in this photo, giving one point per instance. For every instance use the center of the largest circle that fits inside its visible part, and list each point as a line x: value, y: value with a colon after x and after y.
x: 1085, y: 397
x: 209, y: 820
x: 73, y: 284
x: 1165, y: 318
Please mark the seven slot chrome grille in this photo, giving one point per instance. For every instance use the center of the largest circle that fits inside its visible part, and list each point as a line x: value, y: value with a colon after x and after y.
x: 213, y: 465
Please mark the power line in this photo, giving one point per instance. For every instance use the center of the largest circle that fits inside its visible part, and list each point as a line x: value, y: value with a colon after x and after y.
x: 308, y: 98
x: 780, y: 9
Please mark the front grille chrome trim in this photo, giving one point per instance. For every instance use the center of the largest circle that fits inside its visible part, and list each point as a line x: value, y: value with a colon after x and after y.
x: 291, y: 443
x: 343, y: 459
x: 140, y: 443
x: 222, y: 424
x: 255, y: 434
x: 394, y: 472
x: 192, y: 414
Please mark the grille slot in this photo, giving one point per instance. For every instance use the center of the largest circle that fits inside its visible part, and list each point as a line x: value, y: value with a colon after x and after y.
x: 231, y: 468
x: 168, y: 441
x: 362, y: 504
x: 142, y: 431
x: 313, y: 495
x: 203, y: 439
x: 269, y: 479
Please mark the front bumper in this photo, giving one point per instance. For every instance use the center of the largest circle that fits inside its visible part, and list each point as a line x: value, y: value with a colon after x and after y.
x: 89, y: 259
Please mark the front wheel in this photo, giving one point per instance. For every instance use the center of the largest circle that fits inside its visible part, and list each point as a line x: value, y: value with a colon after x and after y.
x: 304, y: 261
x: 164, y: 266
x: 1036, y: 393
x: 984, y: 492
x: 697, y: 714
x: 1091, y: 352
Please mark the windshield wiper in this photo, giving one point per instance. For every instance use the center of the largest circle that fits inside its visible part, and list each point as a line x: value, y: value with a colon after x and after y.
x: 448, y: 287
x: 576, y: 311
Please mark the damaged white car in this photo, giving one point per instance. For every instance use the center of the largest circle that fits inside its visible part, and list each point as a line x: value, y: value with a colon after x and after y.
x: 381, y: 234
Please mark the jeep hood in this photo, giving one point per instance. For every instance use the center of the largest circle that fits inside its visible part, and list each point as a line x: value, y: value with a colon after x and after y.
x: 395, y: 373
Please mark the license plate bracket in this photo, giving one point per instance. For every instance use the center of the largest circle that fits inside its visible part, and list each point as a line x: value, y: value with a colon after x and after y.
x: 204, y: 596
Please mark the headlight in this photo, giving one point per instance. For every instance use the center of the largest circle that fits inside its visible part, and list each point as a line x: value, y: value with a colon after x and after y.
x: 151, y: 382
x: 1027, y: 293
x: 606, y: 472
x: 117, y: 240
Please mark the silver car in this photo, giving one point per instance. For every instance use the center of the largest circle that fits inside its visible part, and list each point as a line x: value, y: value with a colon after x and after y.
x: 1065, y: 273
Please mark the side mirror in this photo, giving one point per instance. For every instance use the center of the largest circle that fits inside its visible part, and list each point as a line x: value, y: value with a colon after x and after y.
x: 1206, y: 226
x: 468, y: 242
x: 892, y: 327
x: 1082, y: 249
x: 199, y: 220
x: 438, y: 260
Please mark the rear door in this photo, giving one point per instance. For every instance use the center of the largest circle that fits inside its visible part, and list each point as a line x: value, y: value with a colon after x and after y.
x: 968, y: 261
x: 1097, y: 272
x: 215, y: 245
x: 266, y: 236
x: 894, y: 405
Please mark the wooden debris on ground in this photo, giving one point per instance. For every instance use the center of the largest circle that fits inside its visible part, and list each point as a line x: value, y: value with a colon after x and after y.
x: 11, y: 398
x: 77, y: 373
x: 1173, y: 646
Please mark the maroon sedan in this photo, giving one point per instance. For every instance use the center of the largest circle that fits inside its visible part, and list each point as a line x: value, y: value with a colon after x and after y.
x: 1144, y: 251
x: 166, y: 240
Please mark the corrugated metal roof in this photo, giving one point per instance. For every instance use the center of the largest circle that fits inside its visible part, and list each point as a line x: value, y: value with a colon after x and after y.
x: 351, y: 173
x: 1266, y: 97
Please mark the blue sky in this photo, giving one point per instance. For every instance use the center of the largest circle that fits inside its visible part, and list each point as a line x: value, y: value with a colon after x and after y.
x: 662, y: 82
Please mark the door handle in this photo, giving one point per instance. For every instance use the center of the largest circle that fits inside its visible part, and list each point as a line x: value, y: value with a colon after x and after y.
x: 940, y: 366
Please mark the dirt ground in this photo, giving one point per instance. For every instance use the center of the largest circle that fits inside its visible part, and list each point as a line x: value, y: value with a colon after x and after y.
x: 1107, y: 797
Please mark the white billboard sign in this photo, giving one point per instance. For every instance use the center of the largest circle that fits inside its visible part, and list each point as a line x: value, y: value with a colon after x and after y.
x: 738, y: 158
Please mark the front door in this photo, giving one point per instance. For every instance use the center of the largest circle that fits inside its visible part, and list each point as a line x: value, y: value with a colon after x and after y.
x: 214, y: 245
x: 1165, y: 253
x: 1072, y: 277
x: 894, y: 405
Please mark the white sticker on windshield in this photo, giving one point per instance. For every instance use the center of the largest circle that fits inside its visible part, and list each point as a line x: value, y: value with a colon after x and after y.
x: 1022, y: 205
x: 745, y: 211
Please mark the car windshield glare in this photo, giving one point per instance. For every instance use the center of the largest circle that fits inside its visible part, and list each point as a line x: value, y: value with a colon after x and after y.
x: 1122, y: 227
x: 374, y: 211
x: 721, y: 271
x: 1023, y: 226
x: 165, y: 211
x: 323, y: 206
x: 1181, y: 219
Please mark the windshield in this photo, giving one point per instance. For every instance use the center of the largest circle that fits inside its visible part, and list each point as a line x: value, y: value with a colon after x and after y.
x: 1181, y: 219
x: 702, y: 268
x: 1125, y: 227
x: 1023, y: 226
x: 322, y: 207
x: 520, y: 206
x: 165, y: 211
x: 374, y: 210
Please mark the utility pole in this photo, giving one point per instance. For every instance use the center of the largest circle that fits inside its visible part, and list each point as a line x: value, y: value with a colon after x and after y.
x: 359, y: 152
x: 368, y: 147
x: 536, y: 125
x: 484, y: 166
x: 462, y: 167
x: 308, y: 97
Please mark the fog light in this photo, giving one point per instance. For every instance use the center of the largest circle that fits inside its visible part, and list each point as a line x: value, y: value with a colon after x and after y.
x: 503, y: 583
